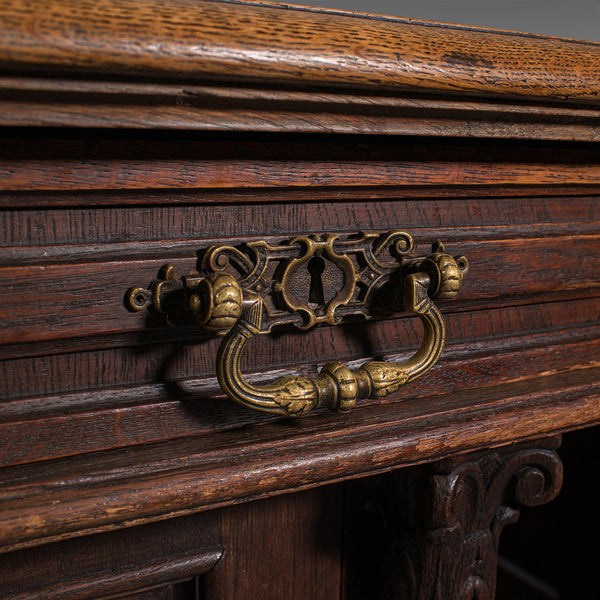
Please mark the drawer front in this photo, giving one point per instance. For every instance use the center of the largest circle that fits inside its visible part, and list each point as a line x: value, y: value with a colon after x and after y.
x: 82, y: 375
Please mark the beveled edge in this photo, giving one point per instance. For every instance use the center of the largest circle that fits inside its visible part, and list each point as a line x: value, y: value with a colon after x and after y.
x: 241, y: 41
x: 66, y: 506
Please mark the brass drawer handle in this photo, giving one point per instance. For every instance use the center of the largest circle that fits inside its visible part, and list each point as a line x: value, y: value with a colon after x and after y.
x: 307, y: 281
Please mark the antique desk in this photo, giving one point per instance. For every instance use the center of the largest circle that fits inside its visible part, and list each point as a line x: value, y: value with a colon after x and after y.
x: 294, y: 167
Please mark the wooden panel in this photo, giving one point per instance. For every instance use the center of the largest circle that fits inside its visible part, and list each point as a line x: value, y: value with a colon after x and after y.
x: 178, y: 591
x: 295, y: 540
x: 166, y: 399
x: 502, y: 274
x: 195, y: 348
x: 126, y: 246
x: 126, y: 562
x: 180, y: 357
x: 66, y: 174
x: 156, y: 197
x: 122, y: 418
x: 180, y: 227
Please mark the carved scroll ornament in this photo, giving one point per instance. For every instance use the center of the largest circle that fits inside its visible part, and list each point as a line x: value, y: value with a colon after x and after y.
x: 471, y: 499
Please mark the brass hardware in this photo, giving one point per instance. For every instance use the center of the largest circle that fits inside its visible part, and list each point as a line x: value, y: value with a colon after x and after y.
x: 249, y: 289
x: 217, y: 302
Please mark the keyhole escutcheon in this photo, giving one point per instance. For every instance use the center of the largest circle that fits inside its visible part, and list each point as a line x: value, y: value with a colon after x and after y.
x: 316, y: 267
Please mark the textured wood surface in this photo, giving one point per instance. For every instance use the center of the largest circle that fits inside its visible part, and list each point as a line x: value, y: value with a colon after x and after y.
x: 110, y: 103
x: 183, y: 476
x: 267, y: 122
x: 91, y: 161
x: 253, y: 66
x: 266, y: 539
x: 90, y: 388
x: 156, y: 557
x: 277, y: 43
x: 65, y: 313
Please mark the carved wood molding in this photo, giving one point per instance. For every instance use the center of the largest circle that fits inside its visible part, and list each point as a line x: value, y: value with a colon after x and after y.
x: 471, y: 499
x: 281, y: 68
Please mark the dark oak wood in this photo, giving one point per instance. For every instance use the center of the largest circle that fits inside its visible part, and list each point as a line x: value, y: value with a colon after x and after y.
x: 159, y: 557
x: 176, y: 407
x: 472, y: 500
x: 212, y: 161
x: 138, y: 133
x: 156, y: 482
x: 266, y: 541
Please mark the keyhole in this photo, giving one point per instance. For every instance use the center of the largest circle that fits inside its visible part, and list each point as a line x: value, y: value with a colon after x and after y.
x: 316, y: 266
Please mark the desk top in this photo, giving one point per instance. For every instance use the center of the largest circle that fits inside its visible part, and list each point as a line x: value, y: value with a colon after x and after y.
x: 274, y: 67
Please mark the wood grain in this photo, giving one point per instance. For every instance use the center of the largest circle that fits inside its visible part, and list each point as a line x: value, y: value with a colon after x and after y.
x: 124, y: 562
x: 138, y: 132
x: 106, y: 104
x: 56, y: 174
x: 73, y: 423
x: 64, y: 310
x: 295, y: 196
x: 159, y: 484
x: 92, y: 160
x: 289, y: 45
x: 265, y: 539
x: 154, y: 366
x: 172, y: 228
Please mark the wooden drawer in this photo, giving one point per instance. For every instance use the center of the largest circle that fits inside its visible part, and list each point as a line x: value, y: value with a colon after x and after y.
x: 120, y: 154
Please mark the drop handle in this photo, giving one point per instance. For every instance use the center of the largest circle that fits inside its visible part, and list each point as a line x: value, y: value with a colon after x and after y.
x: 370, y: 275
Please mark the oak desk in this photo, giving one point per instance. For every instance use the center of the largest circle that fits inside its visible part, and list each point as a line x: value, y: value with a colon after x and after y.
x: 138, y: 133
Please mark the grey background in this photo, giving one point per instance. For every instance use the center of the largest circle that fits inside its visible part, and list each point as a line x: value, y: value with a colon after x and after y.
x: 577, y: 19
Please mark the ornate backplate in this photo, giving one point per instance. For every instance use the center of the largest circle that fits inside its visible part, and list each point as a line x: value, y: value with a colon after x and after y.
x: 311, y: 279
